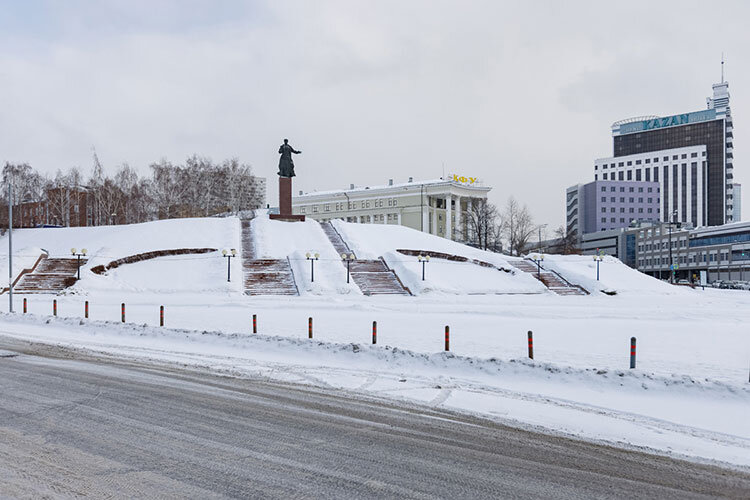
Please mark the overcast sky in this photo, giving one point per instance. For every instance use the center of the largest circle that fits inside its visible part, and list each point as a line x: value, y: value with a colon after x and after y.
x: 520, y: 94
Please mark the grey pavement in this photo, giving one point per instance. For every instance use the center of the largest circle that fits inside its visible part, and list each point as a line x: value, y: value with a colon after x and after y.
x: 74, y: 425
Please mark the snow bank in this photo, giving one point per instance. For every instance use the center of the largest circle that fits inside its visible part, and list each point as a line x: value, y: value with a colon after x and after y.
x: 614, y: 276
x: 668, y: 414
x: 370, y: 241
x: 107, y: 243
x: 23, y: 258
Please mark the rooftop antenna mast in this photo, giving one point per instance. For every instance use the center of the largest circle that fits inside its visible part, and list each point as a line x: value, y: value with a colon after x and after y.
x: 722, y: 67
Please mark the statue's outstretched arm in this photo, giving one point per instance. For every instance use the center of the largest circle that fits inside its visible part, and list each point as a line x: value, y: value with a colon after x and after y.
x: 296, y: 152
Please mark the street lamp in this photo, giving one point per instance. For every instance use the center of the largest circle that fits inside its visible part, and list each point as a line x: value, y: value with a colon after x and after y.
x: 348, y: 258
x: 231, y: 253
x: 539, y: 228
x: 80, y: 254
x: 598, y: 258
x: 424, y: 259
x: 671, y: 265
x: 312, y: 258
x: 538, y: 258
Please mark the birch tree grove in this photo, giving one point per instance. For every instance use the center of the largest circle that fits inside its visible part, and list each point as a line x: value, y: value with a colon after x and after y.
x: 197, y: 188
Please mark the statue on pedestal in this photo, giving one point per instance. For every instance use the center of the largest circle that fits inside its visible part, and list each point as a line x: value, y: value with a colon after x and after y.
x: 286, y: 164
x: 286, y: 172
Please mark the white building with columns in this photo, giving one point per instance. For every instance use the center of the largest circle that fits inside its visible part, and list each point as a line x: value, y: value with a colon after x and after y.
x: 438, y: 207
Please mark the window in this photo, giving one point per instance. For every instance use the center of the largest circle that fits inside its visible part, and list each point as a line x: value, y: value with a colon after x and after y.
x: 640, y: 189
x: 638, y: 174
x: 630, y: 175
x: 631, y: 190
x: 395, y: 202
x: 612, y: 199
x: 630, y: 163
x: 604, y: 199
x: 648, y: 160
x: 620, y: 176
x: 631, y: 199
x: 684, y: 155
x: 302, y: 210
x: 327, y: 207
x: 604, y: 219
x: 693, y: 155
x: 315, y: 208
x: 650, y: 200
x: 620, y: 164
x: 622, y: 220
x: 612, y: 219
x: 622, y: 199
x: 604, y: 209
x: 632, y: 210
x: 650, y: 190
x: 622, y: 210
x: 612, y: 189
x: 604, y: 176
x: 674, y: 157
x: 604, y: 188
x: 612, y: 209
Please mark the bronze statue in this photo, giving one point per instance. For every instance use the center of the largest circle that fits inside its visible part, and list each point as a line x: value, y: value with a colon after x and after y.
x: 286, y: 164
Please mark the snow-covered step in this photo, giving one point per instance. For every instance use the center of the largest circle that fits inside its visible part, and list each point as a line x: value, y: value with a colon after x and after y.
x: 264, y: 276
x: 551, y: 280
x: 50, y: 276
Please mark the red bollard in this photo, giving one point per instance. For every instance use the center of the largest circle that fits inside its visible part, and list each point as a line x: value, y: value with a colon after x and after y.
x: 632, y: 352
x: 374, y: 332
x: 255, y: 323
x: 309, y: 328
x: 122, y: 312
x: 447, y: 337
x: 531, y: 345
x: 86, y: 309
x: 54, y: 307
x: 161, y: 315
x: 24, y: 305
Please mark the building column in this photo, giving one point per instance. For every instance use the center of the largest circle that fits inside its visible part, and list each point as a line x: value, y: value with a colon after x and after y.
x: 469, y: 206
x: 398, y: 217
x: 459, y: 220
x: 426, y: 215
x: 448, y: 222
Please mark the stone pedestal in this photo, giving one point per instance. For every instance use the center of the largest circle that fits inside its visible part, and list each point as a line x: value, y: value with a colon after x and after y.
x: 285, y: 202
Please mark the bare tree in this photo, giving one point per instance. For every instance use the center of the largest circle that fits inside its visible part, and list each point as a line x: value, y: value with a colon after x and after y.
x: 518, y: 227
x: 484, y: 225
x: 567, y: 241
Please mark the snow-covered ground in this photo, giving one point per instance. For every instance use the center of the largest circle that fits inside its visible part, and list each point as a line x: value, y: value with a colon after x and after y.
x: 689, y: 395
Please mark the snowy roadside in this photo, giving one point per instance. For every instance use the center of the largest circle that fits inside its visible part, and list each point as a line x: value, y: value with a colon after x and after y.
x: 675, y: 415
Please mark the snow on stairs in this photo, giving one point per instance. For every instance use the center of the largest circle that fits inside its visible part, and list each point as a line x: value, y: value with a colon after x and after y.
x: 373, y: 277
x: 550, y: 279
x: 264, y: 276
x: 50, y: 276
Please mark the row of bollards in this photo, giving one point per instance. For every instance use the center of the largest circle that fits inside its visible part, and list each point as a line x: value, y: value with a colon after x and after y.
x: 530, y: 334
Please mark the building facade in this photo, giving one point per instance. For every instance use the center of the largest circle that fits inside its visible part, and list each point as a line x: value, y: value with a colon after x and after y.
x: 695, y: 159
x: 611, y: 204
x: 442, y: 207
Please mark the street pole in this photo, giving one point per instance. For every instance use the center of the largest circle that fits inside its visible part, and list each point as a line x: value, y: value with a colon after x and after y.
x: 10, y: 247
x: 347, y: 270
x: 671, y: 271
x: 79, y: 267
x: 229, y: 268
x: 312, y: 271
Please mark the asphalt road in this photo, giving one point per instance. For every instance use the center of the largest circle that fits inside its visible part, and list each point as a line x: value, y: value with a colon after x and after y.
x: 72, y: 425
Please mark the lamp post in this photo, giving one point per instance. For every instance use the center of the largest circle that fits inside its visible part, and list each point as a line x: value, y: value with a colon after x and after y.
x: 538, y: 258
x: 10, y: 246
x: 312, y: 258
x: 598, y: 258
x: 80, y: 254
x: 539, y: 228
x: 424, y: 259
x: 671, y: 265
x: 231, y: 253
x: 348, y: 258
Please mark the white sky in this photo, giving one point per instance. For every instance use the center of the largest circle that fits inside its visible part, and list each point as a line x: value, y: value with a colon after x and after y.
x: 520, y: 94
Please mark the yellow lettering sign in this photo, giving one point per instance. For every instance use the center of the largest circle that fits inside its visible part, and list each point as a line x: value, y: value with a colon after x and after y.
x: 464, y: 180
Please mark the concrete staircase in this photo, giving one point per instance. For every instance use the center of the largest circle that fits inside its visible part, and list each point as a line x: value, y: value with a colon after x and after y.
x: 551, y: 279
x: 373, y: 277
x: 50, y: 276
x: 264, y: 276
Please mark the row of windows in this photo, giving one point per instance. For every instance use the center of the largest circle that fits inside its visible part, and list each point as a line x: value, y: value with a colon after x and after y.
x: 648, y: 160
x: 630, y: 210
x: 613, y: 199
x: 685, y: 259
x: 630, y: 190
x: 341, y: 206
